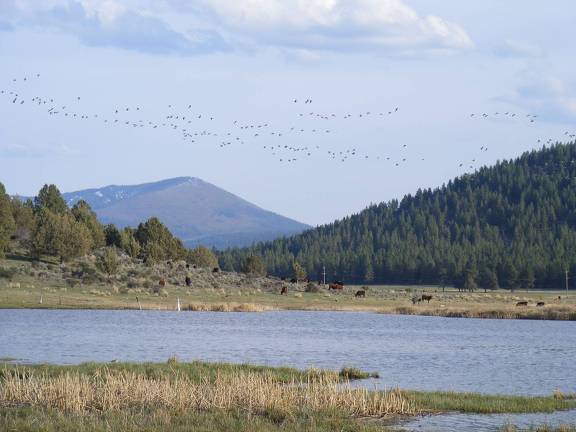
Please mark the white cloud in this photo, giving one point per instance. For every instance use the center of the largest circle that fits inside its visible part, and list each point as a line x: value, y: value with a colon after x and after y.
x: 379, y: 26
x: 338, y: 24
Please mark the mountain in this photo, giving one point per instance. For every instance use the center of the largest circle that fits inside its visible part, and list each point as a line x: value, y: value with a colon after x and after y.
x: 510, y: 225
x: 195, y: 211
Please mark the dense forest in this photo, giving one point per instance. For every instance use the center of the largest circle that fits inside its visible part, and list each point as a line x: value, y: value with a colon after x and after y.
x: 512, y: 225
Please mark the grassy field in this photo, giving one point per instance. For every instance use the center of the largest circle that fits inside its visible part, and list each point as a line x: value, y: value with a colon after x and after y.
x: 80, y: 286
x: 211, y: 397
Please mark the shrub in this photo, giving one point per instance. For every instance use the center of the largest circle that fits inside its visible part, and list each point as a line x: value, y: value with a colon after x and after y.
x: 313, y: 288
x: 7, y: 273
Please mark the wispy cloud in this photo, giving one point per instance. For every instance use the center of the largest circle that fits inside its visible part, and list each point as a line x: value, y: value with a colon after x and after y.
x: 513, y: 49
x: 551, y: 98
x: 105, y: 23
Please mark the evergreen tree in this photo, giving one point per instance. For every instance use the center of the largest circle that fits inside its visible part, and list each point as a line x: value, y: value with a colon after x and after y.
x: 202, y: 257
x: 298, y: 272
x: 23, y: 213
x: 50, y: 198
x: 60, y: 235
x: 254, y: 266
x: 157, y: 242
x: 129, y: 244
x: 83, y: 214
x: 113, y: 236
x: 7, y: 225
x: 108, y: 261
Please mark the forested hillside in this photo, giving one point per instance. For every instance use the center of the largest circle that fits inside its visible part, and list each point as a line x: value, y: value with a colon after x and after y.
x: 510, y: 225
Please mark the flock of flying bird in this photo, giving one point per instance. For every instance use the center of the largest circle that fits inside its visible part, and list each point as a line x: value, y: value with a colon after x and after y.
x: 197, y: 127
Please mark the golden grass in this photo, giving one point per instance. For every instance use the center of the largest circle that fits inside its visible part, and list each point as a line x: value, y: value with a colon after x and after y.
x: 556, y: 313
x: 254, y: 393
x: 227, y: 307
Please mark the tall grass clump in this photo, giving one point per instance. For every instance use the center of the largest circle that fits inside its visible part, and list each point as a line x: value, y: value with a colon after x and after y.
x: 251, y: 392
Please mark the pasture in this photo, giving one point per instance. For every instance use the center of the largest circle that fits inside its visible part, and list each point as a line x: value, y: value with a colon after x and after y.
x: 80, y: 286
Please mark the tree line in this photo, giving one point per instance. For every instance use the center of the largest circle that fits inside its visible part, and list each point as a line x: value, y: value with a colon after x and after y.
x: 512, y: 225
x: 46, y: 227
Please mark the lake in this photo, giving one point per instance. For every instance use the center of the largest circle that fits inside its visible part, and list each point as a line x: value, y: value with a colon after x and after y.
x: 411, y: 352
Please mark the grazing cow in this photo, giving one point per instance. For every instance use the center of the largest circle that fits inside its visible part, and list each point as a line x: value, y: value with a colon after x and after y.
x: 540, y: 304
x: 522, y: 303
x: 360, y: 293
x: 187, y: 265
x: 336, y: 286
x: 293, y: 280
x: 188, y: 281
x: 215, y: 270
x: 162, y: 283
x: 416, y: 299
x: 284, y: 291
x: 426, y: 298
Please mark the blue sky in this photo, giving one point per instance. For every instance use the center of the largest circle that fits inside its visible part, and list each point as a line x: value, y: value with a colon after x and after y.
x: 246, y: 61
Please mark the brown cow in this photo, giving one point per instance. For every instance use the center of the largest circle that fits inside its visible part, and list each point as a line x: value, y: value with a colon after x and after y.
x: 522, y: 303
x: 426, y: 298
x: 360, y: 293
x: 162, y: 283
x: 284, y: 291
x: 540, y: 304
x: 336, y: 286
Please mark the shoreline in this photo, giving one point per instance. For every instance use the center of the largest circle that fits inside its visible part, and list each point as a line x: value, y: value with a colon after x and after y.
x: 531, y: 314
x: 125, y: 396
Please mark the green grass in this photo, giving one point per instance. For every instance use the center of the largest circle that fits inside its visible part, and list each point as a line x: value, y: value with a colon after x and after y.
x: 486, y: 404
x: 352, y: 373
x: 195, y: 371
x: 44, y: 420
x: 542, y: 428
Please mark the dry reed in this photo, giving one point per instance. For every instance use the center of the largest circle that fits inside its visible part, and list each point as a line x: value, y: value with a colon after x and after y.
x: 227, y: 307
x: 254, y: 393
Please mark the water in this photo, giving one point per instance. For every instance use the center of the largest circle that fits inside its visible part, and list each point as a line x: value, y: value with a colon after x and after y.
x: 421, y: 353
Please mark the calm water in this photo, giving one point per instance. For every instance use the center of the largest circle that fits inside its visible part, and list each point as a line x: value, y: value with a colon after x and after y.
x: 489, y: 356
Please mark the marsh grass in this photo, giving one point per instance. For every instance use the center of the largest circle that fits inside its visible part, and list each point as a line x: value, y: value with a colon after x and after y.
x: 485, y: 404
x: 555, y: 313
x: 352, y: 373
x: 161, y: 420
x: 227, y: 307
x: 542, y: 428
x: 254, y: 393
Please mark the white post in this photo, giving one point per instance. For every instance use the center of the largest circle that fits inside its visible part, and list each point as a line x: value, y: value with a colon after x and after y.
x: 40, y: 299
x: 178, y: 305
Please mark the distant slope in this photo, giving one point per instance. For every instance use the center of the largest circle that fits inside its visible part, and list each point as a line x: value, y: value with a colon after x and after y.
x: 512, y: 225
x: 195, y: 211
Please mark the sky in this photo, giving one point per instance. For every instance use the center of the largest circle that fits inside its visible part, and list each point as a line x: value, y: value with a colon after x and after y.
x: 405, y: 94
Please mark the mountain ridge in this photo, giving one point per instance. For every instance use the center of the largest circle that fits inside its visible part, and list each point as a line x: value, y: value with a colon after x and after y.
x: 197, y: 212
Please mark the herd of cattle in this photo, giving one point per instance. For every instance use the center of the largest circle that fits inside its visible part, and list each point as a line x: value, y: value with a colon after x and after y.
x: 339, y: 286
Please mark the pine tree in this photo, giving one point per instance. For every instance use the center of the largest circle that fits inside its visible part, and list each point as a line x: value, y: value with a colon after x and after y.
x: 50, y: 198
x: 7, y: 225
